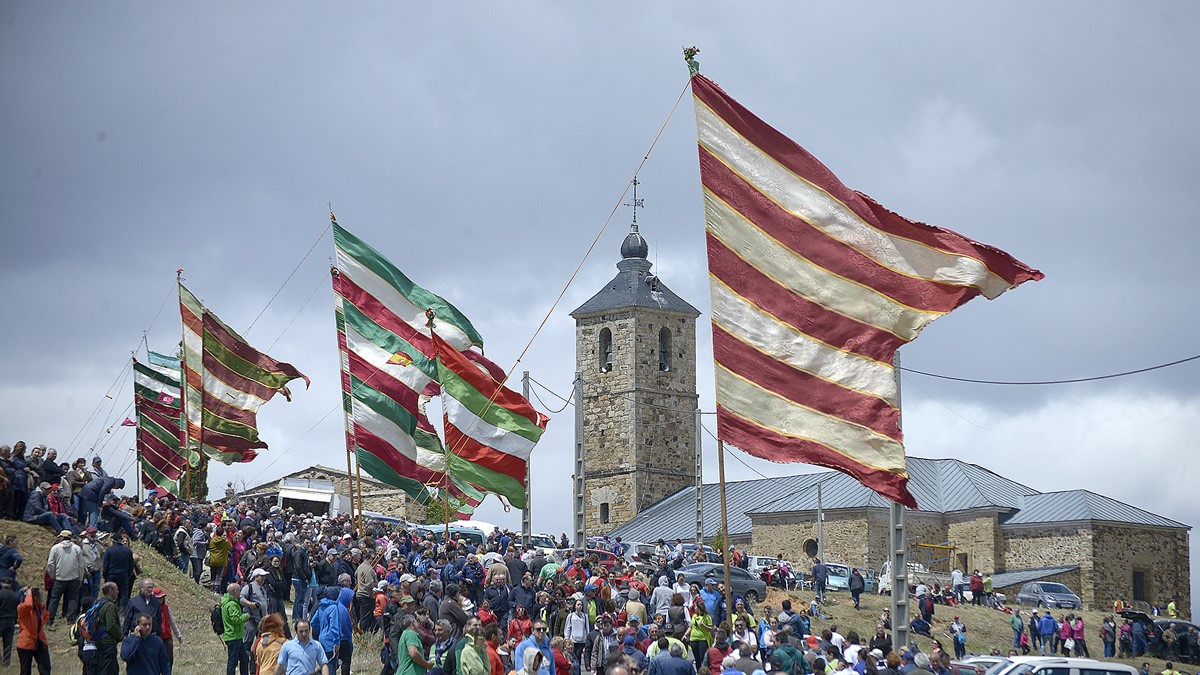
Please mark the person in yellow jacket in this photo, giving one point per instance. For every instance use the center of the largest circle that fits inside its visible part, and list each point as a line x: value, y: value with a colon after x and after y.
x: 268, y: 643
x: 218, y: 556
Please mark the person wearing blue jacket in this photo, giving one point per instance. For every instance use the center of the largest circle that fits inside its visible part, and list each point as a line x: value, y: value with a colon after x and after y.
x: 347, y: 629
x: 93, y: 493
x: 143, y: 652
x: 539, y: 640
x: 1047, y: 626
x: 327, y: 626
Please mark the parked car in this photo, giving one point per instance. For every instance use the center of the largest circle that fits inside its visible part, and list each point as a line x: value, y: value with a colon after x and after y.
x: 967, y: 668
x: 607, y: 559
x: 1047, y: 665
x: 839, y: 577
x: 755, y: 564
x: 543, y: 543
x: 752, y: 588
x: 644, y: 553
x: 1157, y: 625
x: 1048, y: 594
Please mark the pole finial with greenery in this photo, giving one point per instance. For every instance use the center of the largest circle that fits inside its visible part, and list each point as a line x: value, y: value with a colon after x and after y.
x: 689, y: 57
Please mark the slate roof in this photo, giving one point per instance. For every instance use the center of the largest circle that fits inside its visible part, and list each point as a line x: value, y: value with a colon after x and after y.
x: 939, y: 486
x: 1016, y: 577
x: 1072, y: 505
x: 634, y: 285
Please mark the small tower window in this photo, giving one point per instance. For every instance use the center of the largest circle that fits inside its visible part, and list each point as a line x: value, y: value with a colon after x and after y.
x: 606, y: 358
x: 664, y: 350
x: 603, y: 513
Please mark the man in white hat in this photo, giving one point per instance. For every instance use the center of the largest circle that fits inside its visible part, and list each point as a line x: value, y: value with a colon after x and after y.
x: 255, y: 599
x: 65, y: 566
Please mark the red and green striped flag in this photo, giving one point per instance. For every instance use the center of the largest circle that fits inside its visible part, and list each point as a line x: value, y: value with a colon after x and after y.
x: 227, y: 382
x: 389, y: 369
x: 490, y: 429
x: 156, y: 398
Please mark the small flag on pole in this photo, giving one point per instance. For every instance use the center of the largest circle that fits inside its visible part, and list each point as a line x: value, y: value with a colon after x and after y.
x: 128, y: 423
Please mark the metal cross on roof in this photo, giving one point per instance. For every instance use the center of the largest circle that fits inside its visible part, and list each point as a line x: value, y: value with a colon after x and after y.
x: 635, y: 203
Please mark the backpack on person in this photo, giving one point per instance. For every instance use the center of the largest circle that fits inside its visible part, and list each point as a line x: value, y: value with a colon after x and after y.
x: 218, y: 620
x: 90, y: 627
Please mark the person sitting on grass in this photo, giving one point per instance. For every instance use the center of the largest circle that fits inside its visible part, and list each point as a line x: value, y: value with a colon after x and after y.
x: 920, y: 626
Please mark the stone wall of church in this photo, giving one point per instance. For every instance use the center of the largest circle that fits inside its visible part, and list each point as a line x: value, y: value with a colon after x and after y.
x: 639, y: 427
x: 608, y: 420
x: 1160, y: 555
x: 665, y: 405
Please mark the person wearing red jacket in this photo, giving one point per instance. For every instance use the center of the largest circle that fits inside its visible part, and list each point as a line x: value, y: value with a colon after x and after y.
x: 718, y: 652
x: 521, y: 625
x: 169, y: 628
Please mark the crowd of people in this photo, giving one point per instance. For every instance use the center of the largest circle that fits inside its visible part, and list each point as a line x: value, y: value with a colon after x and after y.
x: 456, y: 607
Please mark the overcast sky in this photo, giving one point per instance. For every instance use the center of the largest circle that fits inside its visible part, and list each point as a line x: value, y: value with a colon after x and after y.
x: 482, y: 147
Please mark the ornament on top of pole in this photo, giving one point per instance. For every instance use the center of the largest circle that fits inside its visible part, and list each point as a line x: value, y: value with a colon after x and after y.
x: 689, y: 57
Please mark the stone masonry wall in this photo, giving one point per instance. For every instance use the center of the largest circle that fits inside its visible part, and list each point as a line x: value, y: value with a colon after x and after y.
x: 1050, y: 545
x: 847, y: 537
x: 978, y: 536
x: 608, y: 420
x: 638, y: 428
x: 1161, y: 554
x: 665, y: 403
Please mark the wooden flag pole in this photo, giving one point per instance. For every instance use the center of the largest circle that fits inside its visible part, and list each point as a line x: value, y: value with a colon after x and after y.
x: 724, y: 526
x: 358, y: 471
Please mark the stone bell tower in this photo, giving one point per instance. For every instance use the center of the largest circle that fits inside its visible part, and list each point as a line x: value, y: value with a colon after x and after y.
x: 635, y: 346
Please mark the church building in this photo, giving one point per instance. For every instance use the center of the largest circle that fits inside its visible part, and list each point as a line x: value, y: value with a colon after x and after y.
x: 636, y: 355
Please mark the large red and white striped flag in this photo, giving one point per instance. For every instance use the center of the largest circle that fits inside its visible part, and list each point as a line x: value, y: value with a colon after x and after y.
x: 814, y: 288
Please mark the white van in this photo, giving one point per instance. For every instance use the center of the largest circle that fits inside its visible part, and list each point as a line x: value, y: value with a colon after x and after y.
x: 1049, y: 665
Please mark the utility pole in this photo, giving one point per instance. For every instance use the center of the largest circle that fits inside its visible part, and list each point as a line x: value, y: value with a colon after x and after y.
x: 699, y: 485
x: 899, y: 545
x: 527, y: 512
x: 580, y: 535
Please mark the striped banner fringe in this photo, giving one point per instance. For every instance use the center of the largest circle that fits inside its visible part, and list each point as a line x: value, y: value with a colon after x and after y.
x: 814, y: 287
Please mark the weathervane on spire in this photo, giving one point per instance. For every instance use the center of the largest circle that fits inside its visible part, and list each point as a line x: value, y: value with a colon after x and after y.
x: 636, y: 204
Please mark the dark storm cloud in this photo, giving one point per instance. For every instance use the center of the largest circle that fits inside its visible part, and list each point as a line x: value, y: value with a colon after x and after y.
x: 481, y: 148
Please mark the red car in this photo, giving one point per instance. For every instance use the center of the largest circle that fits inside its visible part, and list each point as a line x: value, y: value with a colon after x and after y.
x: 608, y: 559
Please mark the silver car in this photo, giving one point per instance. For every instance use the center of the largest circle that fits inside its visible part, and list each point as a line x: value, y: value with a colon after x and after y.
x: 1048, y: 594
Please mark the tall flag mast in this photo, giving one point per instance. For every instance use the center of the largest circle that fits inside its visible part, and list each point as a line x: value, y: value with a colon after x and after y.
x: 814, y: 288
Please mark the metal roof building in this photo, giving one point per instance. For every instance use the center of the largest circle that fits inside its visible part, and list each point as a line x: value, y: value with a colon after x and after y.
x: 969, y: 517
